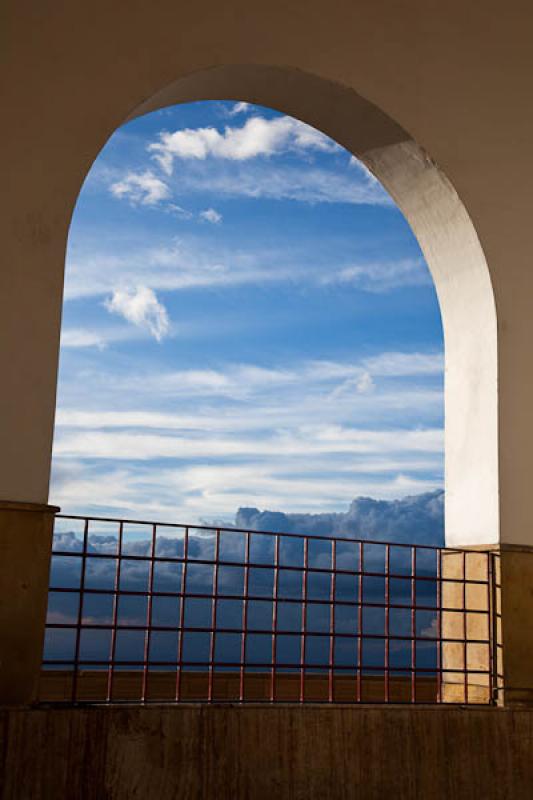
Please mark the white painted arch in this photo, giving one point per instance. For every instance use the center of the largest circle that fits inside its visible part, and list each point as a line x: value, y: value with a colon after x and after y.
x: 444, y: 231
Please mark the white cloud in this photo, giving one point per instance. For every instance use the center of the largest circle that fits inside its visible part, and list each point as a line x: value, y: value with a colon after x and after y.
x: 304, y: 442
x: 211, y: 215
x: 239, y: 381
x: 141, y: 188
x: 257, y: 137
x: 213, y: 399
x: 141, y: 307
x: 192, y: 493
x: 239, y: 108
x: 203, y: 441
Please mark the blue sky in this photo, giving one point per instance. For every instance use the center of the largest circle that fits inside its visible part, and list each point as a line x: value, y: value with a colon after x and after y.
x: 248, y: 321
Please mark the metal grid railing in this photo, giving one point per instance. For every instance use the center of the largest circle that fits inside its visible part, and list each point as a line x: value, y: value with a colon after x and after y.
x: 153, y: 612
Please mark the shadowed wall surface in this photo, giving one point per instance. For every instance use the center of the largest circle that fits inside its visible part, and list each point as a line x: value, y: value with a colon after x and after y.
x: 225, y: 752
x: 399, y: 82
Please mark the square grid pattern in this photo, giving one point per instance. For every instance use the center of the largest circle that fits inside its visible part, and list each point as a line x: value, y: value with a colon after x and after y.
x: 151, y: 612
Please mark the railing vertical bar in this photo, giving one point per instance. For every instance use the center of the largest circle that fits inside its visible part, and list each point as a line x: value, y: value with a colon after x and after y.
x: 113, y: 645
x: 214, y: 603
x: 99, y: 675
x: 439, y: 625
x: 360, y: 626
x: 465, y: 633
x: 244, y: 616
x: 304, y: 619
x: 79, y: 621
x: 149, y: 601
x: 183, y: 590
x: 494, y: 628
x: 331, y: 660
x: 387, y: 623
x: 413, y: 624
x: 489, y: 636
x: 274, y: 620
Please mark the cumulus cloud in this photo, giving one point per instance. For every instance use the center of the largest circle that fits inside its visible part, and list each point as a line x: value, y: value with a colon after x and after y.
x: 417, y: 519
x: 211, y: 215
x: 141, y: 307
x: 141, y: 188
x: 257, y: 137
x: 412, y: 520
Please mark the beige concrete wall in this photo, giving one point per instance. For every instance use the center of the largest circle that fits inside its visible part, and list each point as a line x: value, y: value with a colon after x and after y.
x: 456, y: 77
x: 291, y: 753
x: 25, y: 545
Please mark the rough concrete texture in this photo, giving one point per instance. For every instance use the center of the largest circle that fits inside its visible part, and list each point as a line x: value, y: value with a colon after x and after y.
x: 228, y: 753
x: 25, y: 547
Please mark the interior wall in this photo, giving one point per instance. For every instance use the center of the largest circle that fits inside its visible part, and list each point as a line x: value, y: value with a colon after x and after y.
x: 458, y: 83
x: 256, y: 753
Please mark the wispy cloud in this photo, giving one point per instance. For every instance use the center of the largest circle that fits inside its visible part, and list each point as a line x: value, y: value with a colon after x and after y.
x: 282, y: 435
x: 178, y: 211
x: 142, y: 308
x: 305, y: 442
x: 141, y: 188
x: 307, y: 184
x: 188, y: 263
x: 380, y: 276
x: 81, y: 337
x: 305, y: 380
x: 190, y: 493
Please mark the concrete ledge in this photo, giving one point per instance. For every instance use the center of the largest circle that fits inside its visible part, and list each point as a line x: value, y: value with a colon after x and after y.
x: 254, y: 752
x: 37, y: 508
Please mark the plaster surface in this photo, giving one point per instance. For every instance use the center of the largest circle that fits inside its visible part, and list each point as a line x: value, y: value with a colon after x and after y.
x: 450, y: 77
x: 256, y: 752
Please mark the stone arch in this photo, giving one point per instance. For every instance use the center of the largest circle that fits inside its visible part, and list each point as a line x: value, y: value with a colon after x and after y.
x: 450, y: 245
x: 429, y: 202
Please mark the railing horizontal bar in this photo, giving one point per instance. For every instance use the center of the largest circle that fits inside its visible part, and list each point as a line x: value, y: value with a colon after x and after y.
x: 262, y: 599
x: 371, y: 586
x: 265, y: 665
x: 259, y: 565
x: 97, y: 626
x: 213, y: 528
x: 236, y: 701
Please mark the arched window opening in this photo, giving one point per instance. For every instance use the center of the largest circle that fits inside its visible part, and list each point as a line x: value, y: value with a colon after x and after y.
x: 249, y: 324
x: 235, y: 329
